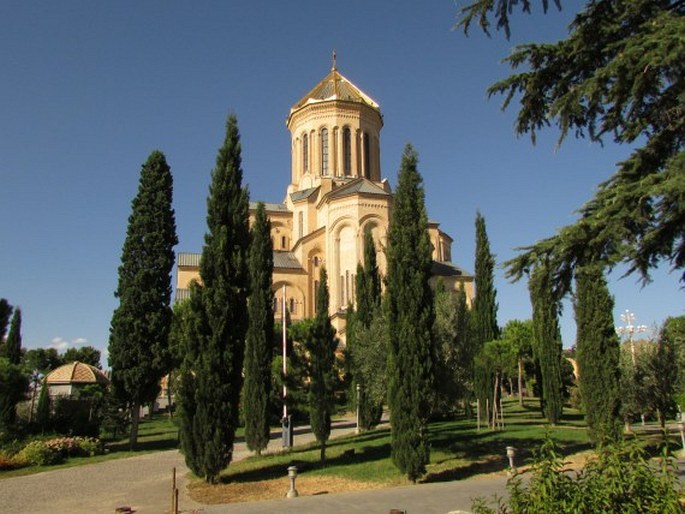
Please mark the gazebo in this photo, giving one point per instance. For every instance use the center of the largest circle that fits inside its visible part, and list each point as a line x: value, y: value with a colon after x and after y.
x: 70, y: 378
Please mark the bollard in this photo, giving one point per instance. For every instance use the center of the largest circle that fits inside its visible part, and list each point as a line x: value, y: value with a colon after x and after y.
x: 292, y: 474
x: 511, y: 453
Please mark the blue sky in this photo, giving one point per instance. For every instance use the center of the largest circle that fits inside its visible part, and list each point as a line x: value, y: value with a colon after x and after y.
x: 89, y: 89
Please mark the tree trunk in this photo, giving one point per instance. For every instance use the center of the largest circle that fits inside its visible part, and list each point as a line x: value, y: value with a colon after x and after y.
x: 323, y: 454
x: 520, y: 382
x: 135, y: 417
x: 168, y: 395
x: 495, y: 409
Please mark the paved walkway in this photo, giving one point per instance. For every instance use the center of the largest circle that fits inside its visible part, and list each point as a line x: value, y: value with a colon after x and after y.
x: 144, y: 483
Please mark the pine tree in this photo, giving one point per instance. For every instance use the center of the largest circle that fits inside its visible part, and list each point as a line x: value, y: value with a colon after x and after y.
x: 483, y: 325
x: 260, y: 335
x: 410, y: 321
x: 547, y: 341
x: 211, y: 375
x: 598, y: 355
x: 321, y: 344
x: 13, y: 343
x: 618, y: 74
x: 140, y: 324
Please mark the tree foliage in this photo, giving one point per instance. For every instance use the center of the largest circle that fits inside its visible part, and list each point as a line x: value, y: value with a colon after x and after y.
x: 619, y: 74
x: 13, y: 342
x: 483, y: 322
x: 367, y: 340
x: 86, y: 354
x: 547, y: 342
x: 211, y: 375
x: 140, y: 324
x: 5, y: 316
x: 519, y: 334
x: 260, y: 335
x: 13, y: 384
x: 598, y: 355
x: 320, y: 343
x: 454, y: 351
x: 410, y: 321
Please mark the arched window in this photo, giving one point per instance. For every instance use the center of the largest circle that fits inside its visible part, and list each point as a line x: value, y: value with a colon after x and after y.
x: 347, y: 151
x: 324, y: 151
x: 367, y: 156
x: 305, y: 153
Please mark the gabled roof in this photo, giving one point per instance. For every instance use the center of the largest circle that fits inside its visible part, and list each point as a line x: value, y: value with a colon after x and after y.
x: 447, y: 269
x: 335, y: 86
x: 270, y: 207
x: 286, y: 260
x: 305, y: 193
x: 358, y: 186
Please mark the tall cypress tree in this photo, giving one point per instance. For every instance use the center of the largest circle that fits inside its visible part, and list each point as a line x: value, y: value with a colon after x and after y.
x: 483, y: 321
x: 140, y: 325
x: 13, y: 343
x: 260, y: 335
x: 321, y: 344
x: 212, y: 370
x: 410, y: 321
x: 547, y: 341
x: 598, y: 354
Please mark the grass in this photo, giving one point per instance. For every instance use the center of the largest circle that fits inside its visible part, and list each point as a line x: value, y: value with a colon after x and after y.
x: 458, y: 450
x: 157, y: 433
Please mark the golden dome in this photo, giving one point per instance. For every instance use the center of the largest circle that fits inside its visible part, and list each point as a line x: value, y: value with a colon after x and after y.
x: 76, y: 373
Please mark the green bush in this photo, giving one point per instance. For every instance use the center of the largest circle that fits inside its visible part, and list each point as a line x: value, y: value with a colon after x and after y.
x: 619, y: 479
x: 9, y: 461
x: 37, y: 453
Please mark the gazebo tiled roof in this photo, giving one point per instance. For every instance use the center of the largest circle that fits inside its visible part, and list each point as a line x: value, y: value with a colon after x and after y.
x: 76, y: 373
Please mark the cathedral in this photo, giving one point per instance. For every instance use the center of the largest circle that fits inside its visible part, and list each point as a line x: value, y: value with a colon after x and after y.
x: 335, y: 194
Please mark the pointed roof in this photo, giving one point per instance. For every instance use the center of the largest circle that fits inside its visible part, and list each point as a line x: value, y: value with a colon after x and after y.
x: 334, y: 86
x: 358, y: 185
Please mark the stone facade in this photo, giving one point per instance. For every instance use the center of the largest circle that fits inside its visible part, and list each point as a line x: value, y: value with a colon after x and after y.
x: 335, y: 194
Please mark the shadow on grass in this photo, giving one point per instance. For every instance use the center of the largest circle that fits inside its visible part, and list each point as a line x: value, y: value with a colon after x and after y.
x: 279, y: 469
x: 163, y: 444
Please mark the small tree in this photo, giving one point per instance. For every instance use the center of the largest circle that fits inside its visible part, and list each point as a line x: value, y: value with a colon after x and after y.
x: 321, y: 344
x: 520, y: 335
x: 260, y: 335
x: 43, y: 408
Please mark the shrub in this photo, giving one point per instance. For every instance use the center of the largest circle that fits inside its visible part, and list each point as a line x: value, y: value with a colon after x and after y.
x: 618, y: 479
x: 37, y: 453
x: 9, y: 461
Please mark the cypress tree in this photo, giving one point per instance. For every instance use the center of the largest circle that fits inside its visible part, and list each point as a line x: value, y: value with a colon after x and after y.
x: 212, y: 369
x: 13, y: 343
x: 140, y: 325
x: 5, y: 315
x: 321, y: 344
x: 547, y: 341
x: 483, y: 322
x: 361, y: 342
x: 410, y: 321
x: 260, y: 335
x: 43, y: 408
x: 598, y: 354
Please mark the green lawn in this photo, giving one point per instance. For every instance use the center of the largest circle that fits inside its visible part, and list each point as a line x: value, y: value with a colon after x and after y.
x: 458, y: 450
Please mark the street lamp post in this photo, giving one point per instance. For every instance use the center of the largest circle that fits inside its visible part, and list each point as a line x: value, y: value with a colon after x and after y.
x: 629, y: 329
x: 359, y: 388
